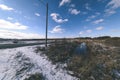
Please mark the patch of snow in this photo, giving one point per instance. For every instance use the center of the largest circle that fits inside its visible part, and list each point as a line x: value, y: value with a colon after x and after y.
x: 13, y: 60
x: 117, y: 73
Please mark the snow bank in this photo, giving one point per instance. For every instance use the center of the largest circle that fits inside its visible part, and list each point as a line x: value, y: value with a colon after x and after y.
x: 19, y: 63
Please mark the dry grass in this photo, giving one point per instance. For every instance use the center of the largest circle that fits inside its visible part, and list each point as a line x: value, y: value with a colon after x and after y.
x: 100, y: 63
x: 36, y: 76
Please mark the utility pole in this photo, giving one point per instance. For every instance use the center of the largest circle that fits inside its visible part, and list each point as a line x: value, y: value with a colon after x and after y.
x: 46, y: 25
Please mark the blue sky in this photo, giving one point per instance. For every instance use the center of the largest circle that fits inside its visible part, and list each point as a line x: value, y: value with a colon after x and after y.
x: 67, y: 18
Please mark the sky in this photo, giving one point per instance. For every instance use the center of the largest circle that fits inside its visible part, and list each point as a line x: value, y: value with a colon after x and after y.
x: 66, y: 18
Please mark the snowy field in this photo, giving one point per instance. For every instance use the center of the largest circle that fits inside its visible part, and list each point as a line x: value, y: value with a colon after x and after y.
x: 19, y: 63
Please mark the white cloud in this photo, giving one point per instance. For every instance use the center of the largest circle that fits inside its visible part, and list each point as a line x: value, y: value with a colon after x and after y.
x: 81, y: 32
x: 57, y: 18
x: 110, y: 12
x: 102, y: 1
x: 84, y: 32
x: 10, y: 18
x: 87, y: 19
x: 92, y: 16
x: 72, y: 5
x: 18, y: 35
x: 114, y: 4
x: 27, y: 17
x: 97, y: 13
x: 89, y: 31
x: 57, y: 29
x: 87, y: 6
x: 115, y: 30
x: 100, y: 28
x: 64, y: 2
x: 4, y: 7
x: 18, y: 12
x: 98, y: 21
x: 8, y: 25
x: 74, y: 11
x: 37, y: 14
x: 111, y: 6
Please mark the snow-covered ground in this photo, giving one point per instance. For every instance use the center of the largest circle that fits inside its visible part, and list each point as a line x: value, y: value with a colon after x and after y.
x: 19, y: 63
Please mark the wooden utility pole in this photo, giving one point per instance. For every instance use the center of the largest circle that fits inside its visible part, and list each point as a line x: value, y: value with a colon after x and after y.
x: 46, y: 25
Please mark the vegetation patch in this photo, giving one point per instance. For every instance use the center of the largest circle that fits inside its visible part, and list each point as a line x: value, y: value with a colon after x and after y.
x: 113, y: 42
x: 61, y: 51
x: 36, y: 76
x: 101, y: 62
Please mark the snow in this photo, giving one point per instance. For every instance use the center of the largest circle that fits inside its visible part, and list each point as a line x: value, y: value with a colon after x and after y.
x: 19, y: 63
